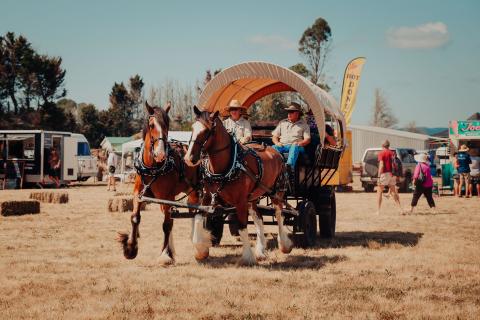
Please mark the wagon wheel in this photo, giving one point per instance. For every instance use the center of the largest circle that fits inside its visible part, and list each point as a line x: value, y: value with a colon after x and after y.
x: 215, y: 226
x: 326, y: 207
x: 307, y: 223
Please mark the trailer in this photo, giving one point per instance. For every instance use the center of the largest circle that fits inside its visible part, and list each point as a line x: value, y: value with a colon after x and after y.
x: 30, y: 148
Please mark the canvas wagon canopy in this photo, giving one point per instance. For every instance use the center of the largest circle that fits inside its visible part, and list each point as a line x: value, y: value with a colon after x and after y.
x: 250, y: 81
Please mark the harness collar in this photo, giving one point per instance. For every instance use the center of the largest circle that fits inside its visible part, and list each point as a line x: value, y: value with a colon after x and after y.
x: 159, y: 169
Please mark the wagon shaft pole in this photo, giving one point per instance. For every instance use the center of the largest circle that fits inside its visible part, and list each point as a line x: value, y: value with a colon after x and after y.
x: 206, y: 209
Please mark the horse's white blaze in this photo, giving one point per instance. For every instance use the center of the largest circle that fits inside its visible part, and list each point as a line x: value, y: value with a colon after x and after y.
x: 261, y: 241
x: 284, y: 241
x: 248, y: 257
x: 159, y: 149
x: 201, y: 238
x: 197, y: 128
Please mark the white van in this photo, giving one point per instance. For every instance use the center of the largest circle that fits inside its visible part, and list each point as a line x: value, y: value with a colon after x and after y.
x: 87, y: 164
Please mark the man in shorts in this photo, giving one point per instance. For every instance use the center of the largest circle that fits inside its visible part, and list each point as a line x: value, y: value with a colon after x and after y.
x: 462, y: 164
x: 385, y: 176
x: 111, y: 163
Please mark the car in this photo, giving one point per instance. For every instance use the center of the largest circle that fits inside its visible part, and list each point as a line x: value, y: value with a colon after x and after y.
x: 369, y: 173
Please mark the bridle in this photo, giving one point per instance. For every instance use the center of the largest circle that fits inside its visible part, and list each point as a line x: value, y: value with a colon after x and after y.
x: 211, y: 130
x: 154, y: 140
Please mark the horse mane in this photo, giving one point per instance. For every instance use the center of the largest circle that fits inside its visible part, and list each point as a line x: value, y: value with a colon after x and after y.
x: 162, y: 118
x: 204, y: 116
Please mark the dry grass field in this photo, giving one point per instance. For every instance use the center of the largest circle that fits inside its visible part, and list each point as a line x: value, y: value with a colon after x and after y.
x: 65, y: 264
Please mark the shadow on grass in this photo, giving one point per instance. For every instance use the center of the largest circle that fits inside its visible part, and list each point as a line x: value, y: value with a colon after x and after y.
x: 427, y: 213
x: 292, y: 262
x: 366, y: 238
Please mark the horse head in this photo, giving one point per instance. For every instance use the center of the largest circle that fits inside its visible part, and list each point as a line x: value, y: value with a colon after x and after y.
x: 203, y: 130
x: 155, y: 132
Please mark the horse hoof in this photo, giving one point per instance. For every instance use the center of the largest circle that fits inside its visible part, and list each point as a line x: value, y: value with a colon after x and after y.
x: 165, y: 260
x: 286, y: 250
x: 246, y: 263
x: 130, y: 252
x: 201, y: 256
x: 260, y: 256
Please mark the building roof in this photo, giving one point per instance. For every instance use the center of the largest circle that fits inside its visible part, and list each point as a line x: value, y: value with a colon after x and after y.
x: 394, y: 132
x: 115, y: 142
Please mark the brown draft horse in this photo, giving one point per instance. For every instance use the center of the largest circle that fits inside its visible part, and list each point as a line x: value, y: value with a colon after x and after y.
x: 209, y: 135
x: 166, y: 185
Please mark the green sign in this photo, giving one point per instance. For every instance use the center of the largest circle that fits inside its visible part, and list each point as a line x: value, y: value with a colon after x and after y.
x: 469, y: 128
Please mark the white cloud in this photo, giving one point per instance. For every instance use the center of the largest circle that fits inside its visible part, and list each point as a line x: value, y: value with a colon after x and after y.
x: 425, y: 36
x: 272, y: 41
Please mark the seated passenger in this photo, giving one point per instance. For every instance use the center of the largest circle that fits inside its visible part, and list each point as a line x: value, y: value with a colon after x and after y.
x: 292, y: 135
x: 236, y: 125
x: 329, y: 136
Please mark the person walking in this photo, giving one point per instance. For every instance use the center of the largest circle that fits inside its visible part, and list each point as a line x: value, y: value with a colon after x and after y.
x: 423, y: 182
x: 112, y: 164
x: 385, y: 176
x: 475, y: 172
x: 462, y: 164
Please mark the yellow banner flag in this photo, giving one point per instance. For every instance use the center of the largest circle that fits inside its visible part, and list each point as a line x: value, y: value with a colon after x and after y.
x: 351, y: 80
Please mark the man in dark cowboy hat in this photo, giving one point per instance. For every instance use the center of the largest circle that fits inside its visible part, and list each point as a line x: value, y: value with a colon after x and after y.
x: 292, y: 134
x: 236, y: 124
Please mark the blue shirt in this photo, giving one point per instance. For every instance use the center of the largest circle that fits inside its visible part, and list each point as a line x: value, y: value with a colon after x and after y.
x: 464, y: 161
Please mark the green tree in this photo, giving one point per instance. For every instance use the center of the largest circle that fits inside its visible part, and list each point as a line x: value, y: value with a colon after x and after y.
x: 269, y: 108
x: 301, y: 69
x: 135, y: 92
x: 49, y: 79
x: 15, y: 55
x: 121, y: 111
x: 314, y: 45
x: 90, y: 124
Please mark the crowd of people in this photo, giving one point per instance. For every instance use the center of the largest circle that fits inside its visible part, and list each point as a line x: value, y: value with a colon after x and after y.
x: 467, y: 177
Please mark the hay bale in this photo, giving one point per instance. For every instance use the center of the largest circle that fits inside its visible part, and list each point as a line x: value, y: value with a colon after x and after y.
x: 122, y: 204
x: 50, y: 197
x: 121, y: 194
x: 16, y: 208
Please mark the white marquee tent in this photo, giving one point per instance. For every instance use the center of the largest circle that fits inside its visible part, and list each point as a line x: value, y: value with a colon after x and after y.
x: 129, y: 147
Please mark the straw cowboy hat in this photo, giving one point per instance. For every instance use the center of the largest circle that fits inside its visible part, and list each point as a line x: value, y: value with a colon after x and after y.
x: 463, y: 147
x: 235, y: 104
x: 294, y: 107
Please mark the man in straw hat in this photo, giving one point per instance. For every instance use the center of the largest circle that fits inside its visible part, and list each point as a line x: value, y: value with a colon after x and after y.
x: 237, y: 125
x: 425, y: 186
x: 385, y: 176
x: 292, y: 135
x: 462, y: 164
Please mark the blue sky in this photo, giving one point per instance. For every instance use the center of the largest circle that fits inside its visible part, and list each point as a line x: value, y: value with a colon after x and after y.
x: 422, y: 54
